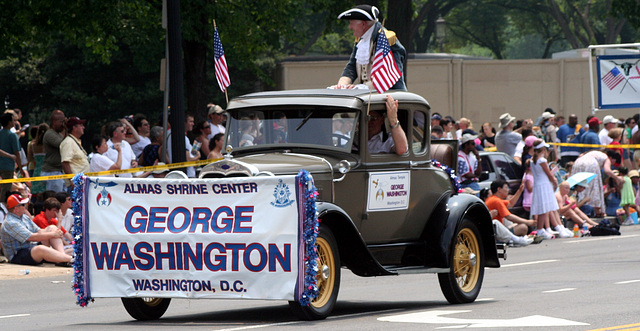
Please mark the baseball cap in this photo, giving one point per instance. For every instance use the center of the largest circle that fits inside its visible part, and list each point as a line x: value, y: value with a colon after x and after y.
x: 16, y: 199
x: 215, y: 109
x: 594, y: 121
x: 73, y: 120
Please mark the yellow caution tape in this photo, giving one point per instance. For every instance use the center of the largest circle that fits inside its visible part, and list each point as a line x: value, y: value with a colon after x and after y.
x: 112, y: 172
x: 494, y: 149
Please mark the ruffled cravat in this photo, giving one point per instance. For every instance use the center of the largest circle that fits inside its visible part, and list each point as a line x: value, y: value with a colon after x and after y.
x: 363, y: 57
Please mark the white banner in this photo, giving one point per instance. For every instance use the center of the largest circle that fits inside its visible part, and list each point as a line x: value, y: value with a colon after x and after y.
x: 195, y: 238
x: 618, y: 81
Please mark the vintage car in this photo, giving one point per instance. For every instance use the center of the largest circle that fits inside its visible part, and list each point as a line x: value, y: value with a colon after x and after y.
x: 381, y: 214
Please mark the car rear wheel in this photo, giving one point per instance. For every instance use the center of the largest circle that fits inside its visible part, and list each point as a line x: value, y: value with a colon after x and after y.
x: 145, y: 309
x: 328, y: 279
x: 463, y: 281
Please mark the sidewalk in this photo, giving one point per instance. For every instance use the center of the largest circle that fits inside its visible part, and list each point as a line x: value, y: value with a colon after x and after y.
x: 12, y: 271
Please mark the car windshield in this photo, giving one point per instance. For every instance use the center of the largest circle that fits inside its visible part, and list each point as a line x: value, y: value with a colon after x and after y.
x: 320, y: 126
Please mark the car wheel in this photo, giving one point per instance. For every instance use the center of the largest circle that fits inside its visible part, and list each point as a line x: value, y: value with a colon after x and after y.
x: 463, y: 281
x: 145, y: 309
x: 328, y: 279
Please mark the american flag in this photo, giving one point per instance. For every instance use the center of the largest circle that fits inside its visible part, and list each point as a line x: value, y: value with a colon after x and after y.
x: 613, y: 78
x: 384, y: 71
x: 222, y: 72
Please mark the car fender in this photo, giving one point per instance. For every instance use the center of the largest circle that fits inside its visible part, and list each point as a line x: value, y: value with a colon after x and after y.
x: 354, y: 253
x: 445, y: 220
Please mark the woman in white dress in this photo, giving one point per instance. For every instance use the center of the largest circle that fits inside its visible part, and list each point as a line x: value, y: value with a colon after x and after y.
x: 99, y: 161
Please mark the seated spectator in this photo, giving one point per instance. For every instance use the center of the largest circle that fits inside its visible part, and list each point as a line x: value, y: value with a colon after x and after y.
x: 498, y: 201
x: 502, y: 233
x: 436, y: 132
x: 612, y: 196
x: 20, y: 237
x: 396, y: 141
x: 569, y: 209
x: 48, y: 217
x: 469, y: 167
x: 66, y: 213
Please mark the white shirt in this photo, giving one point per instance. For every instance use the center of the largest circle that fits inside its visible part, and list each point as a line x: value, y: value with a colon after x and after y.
x: 101, y: 162
x: 604, y: 137
x: 191, y: 171
x: 376, y: 145
x: 140, y: 145
x: 67, y: 220
x: 127, y: 156
x: 215, y: 129
x: 519, y: 149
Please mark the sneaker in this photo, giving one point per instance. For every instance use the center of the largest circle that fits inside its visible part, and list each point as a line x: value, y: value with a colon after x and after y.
x: 628, y: 221
x: 552, y: 232
x: 522, y: 241
x: 544, y: 234
x: 568, y: 232
x: 565, y: 234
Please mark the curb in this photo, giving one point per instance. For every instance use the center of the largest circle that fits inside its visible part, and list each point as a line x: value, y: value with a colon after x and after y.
x: 13, y: 271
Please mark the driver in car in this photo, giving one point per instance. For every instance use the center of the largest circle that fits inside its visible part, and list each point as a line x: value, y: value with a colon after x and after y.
x: 381, y: 141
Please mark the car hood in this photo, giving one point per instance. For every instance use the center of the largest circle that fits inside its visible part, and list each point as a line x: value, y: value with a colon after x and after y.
x: 289, y: 163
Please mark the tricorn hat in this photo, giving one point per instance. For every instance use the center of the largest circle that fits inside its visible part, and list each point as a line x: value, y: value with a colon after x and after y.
x: 360, y: 12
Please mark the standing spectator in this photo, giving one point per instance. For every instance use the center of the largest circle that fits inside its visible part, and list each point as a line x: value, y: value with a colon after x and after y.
x: 9, y: 151
x: 142, y: 127
x: 151, y: 153
x: 469, y: 168
x: 506, y: 139
x: 117, y: 131
x: 488, y: 135
x: 188, y: 126
x: 569, y: 133
x: 628, y: 197
x: 609, y: 122
x: 615, y: 135
x: 215, y: 145
x: 20, y: 237
x: 35, y: 150
x: 526, y: 134
x: 52, y: 165
x: 200, y: 133
x: 100, y: 161
x: 72, y: 154
x: 527, y: 179
x: 463, y: 124
x: 590, y: 137
x: 541, y: 119
x: 435, y: 119
x: 594, y: 162
x: 447, y: 126
x: 215, y: 115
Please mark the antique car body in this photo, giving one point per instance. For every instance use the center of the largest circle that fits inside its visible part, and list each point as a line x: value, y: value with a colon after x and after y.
x: 433, y: 230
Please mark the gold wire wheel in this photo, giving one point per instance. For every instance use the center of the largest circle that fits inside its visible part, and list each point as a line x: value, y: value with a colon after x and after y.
x: 465, y: 259
x: 326, y: 273
x: 152, y: 302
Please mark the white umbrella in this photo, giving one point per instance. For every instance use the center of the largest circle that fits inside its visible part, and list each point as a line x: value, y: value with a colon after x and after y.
x: 581, y: 178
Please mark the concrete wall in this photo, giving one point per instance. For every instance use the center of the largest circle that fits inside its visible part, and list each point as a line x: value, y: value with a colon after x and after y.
x: 480, y: 90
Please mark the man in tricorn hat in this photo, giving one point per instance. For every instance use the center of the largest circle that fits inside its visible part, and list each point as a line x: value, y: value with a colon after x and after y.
x: 363, y: 20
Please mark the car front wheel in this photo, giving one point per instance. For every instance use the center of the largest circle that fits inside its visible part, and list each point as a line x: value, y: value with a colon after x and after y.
x: 463, y: 281
x: 145, y: 309
x: 328, y: 279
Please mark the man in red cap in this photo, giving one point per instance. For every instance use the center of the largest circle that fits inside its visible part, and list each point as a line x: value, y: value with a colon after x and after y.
x: 591, y: 136
x: 20, y: 237
x: 72, y: 154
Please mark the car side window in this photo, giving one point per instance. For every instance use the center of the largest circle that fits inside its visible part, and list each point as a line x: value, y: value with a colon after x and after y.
x: 509, y: 169
x: 419, y: 131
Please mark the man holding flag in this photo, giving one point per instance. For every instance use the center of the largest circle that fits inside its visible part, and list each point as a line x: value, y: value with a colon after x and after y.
x: 378, y: 57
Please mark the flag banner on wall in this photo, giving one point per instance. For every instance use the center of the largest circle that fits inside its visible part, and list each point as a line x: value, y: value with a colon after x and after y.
x: 618, y: 81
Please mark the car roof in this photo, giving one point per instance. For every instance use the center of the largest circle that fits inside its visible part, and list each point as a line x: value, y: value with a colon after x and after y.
x: 351, y: 98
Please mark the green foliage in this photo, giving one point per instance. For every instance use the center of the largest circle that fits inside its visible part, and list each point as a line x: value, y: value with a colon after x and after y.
x: 629, y: 9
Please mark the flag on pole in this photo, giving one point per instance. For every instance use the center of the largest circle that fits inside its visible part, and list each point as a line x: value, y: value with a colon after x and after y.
x: 384, y: 71
x: 613, y: 78
x: 222, y: 71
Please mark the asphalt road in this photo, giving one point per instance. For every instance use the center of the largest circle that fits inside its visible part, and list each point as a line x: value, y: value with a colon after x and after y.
x: 562, y: 284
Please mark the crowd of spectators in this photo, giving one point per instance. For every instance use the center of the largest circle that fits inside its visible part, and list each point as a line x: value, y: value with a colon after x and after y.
x: 36, y: 216
x: 612, y: 190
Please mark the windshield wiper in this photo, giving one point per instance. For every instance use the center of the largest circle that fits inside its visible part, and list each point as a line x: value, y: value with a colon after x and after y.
x: 306, y: 118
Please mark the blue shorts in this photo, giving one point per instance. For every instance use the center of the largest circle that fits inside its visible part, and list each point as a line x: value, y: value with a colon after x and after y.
x: 23, y: 256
